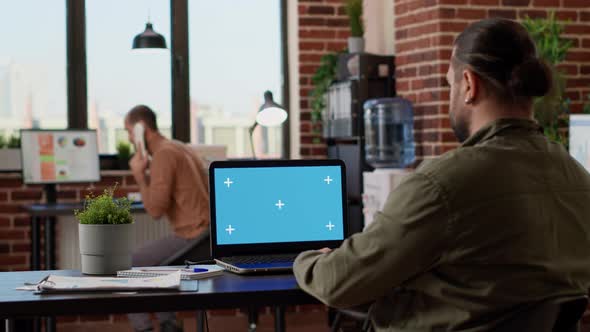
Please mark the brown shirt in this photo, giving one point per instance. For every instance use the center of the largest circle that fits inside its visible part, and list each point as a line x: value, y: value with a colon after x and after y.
x: 177, y: 187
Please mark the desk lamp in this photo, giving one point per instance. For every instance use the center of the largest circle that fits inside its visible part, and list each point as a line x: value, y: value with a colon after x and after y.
x: 269, y: 114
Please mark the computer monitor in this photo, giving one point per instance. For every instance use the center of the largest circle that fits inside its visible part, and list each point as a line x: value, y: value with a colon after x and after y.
x: 59, y: 156
x: 579, y: 135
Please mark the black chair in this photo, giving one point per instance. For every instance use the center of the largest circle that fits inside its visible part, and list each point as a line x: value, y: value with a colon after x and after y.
x: 199, y: 249
x: 570, y: 314
x: 359, y: 314
x: 555, y: 315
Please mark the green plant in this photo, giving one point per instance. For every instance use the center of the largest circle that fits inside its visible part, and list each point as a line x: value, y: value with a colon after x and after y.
x: 105, y: 209
x: 551, y: 109
x: 124, y: 150
x: 2, y: 141
x: 13, y: 142
x: 321, y: 81
x: 354, y: 10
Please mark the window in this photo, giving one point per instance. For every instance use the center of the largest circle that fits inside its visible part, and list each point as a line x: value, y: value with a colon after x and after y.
x: 235, y: 55
x: 119, y: 77
x: 33, y: 65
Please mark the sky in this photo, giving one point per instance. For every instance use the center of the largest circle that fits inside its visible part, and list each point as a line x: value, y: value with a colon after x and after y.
x: 234, y: 52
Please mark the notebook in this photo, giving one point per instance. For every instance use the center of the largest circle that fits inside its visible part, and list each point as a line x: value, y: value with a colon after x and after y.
x: 192, y: 273
x: 265, y: 212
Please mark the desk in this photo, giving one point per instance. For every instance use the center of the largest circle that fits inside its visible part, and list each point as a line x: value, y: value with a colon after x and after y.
x: 225, y: 291
x: 47, y: 213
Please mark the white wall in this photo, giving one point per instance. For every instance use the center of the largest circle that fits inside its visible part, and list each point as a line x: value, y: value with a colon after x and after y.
x: 379, y: 29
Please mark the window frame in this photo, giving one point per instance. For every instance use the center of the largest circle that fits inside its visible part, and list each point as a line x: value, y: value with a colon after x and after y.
x: 77, y: 81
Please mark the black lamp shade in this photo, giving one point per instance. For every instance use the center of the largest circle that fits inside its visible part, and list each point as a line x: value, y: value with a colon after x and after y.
x: 149, y: 39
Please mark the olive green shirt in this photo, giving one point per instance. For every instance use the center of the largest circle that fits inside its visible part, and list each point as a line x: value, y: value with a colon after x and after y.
x: 500, y: 222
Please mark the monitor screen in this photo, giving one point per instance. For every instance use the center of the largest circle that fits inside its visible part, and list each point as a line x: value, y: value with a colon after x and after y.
x: 59, y: 156
x: 278, y: 204
x: 579, y: 135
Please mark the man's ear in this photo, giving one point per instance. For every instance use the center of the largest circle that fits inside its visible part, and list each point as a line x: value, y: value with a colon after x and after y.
x: 471, y: 84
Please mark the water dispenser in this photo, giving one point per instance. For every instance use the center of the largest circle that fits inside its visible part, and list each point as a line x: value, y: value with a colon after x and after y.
x: 389, y: 137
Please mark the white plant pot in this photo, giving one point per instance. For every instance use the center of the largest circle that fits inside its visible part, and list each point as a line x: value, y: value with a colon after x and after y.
x: 10, y: 160
x: 356, y: 45
x: 105, y: 249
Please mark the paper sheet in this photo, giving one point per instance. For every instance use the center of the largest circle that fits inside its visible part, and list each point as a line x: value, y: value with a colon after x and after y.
x: 65, y: 283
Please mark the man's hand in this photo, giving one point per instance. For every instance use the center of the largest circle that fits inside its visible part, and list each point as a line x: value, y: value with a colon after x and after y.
x: 325, y: 250
x: 138, y: 165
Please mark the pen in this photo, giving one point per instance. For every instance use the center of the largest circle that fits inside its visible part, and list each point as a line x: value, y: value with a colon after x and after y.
x: 196, y: 269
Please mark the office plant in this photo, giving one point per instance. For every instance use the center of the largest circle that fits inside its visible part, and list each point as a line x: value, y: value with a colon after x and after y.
x: 552, y: 109
x: 106, y: 233
x: 13, y: 142
x: 123, y: 154
x: 321, y: 80
x: 10, y: 154
x: 354, y: 11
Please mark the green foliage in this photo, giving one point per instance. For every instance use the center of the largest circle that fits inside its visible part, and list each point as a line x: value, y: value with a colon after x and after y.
x: 105, y: 209
x: 547, y: 36
x: 2, y: 141
x: 354, y: 10
x: 13, y: 142
x: 551, y: 109
x: 124, y: 150
x: 321, y: 81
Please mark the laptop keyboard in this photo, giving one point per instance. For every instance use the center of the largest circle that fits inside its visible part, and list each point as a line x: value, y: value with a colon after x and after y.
x: 285, y: 258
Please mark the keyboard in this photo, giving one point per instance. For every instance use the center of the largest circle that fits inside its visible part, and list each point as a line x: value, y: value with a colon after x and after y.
x: 263, y: 259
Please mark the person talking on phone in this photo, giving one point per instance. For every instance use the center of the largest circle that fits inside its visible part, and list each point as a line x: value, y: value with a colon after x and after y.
x: 173, y: 183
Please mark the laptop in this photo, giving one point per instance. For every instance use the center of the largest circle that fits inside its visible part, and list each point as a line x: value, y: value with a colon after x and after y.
x: 265, y: 212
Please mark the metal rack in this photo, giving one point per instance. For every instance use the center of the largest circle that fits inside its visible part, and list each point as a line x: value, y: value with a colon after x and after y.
x: 360, y: 77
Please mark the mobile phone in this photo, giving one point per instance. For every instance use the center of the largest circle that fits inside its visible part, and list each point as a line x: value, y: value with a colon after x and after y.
x: 138, y: 137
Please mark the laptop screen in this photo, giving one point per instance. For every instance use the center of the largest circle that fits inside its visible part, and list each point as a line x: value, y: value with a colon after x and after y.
x: 278, y: 204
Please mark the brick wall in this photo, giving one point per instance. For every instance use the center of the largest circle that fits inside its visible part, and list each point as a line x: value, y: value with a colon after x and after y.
x: 14, y: 222
x: 424, y: 32
x: 15, y: 256
x: 323, y: 28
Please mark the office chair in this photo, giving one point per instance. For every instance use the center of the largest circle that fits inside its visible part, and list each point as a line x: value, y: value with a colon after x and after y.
x: 199, y: 249
x: 555, y: 315
x: 358, y: 314
x: 570, y: 314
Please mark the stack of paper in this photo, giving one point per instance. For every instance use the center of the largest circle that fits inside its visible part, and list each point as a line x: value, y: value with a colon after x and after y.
x: 55, y: 283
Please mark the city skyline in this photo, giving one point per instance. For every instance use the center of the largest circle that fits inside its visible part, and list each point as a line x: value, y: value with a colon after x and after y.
x: 222, y: 58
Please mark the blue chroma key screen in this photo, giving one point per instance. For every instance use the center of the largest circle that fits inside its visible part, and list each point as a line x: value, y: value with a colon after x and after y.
x: 278, y: 204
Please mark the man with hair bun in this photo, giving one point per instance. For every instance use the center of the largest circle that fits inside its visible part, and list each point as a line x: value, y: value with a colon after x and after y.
x: 475, y: 237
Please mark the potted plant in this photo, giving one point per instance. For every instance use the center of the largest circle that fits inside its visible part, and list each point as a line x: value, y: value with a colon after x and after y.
x: 321, y: 80
x: 354, y: 10
x: 10, y: 154
x: 106, y: 233
x: 123, y: 154
x: 551, y: 110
